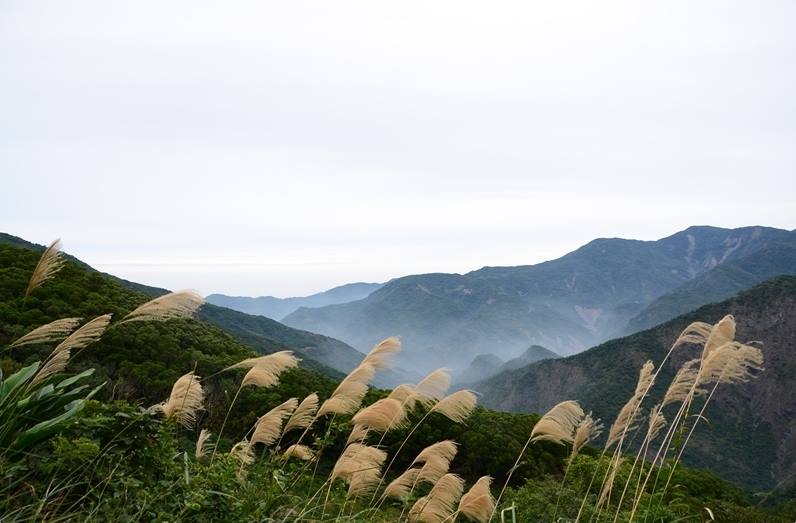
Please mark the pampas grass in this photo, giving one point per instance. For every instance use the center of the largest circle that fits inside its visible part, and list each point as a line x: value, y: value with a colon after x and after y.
x: 185, y: 401
x: 357, y: 458
x: 304, y: 414
x: 201, y: 444
x: 269, y: 426
x: 440, y: 503
x: 348, y: 395
x: 383, y: 415
x: 682, y: 383
x: 50, y: 263
x: 53, y: 331
x: 174, y: 305
x: 433, y: 387
x: 629, y: 415
x: 265, y: 371
x: 380, y: 356
x: 587, y: 430
x: 299, y: 451
x: 457, y: 407
x: 559, y: 423
x: 478, y: 503
x: 358, y: 433
x: 443, y: 450
x: 401, y: 486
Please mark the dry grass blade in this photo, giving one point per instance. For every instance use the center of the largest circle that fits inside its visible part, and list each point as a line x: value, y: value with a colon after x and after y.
x: 478, y: 503
x: 458, y: 406
x: 559, y: 423
x: 381, y: 416
x: 269, y: 427
x: 440, y: 502
x: 433, y: 387
x: 175, y: 305
x: 85, y: 335
x: 50, y: 332
x: 380, y: 356
x: 304, y: 414
x: 201, y: 444
x: 50, y: 263
x: 400, y: 487
x: 185, y: 401
x: 587, y: 430
x: 301, y: 452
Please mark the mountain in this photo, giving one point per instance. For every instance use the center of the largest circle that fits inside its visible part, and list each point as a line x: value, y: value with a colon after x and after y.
x: 278, y: 308
x: 750, y: 436
x: 567, y: 304
x: 719, y: 283
x: 485, y: 366
x: 257, y: 333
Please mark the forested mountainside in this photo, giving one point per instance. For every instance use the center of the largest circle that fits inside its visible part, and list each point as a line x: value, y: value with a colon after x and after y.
x: 750, y: 437
x: 257, y: 333
x: 567, y: 305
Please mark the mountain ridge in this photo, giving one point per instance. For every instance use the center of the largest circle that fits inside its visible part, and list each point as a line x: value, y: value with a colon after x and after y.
x: 568, y: 304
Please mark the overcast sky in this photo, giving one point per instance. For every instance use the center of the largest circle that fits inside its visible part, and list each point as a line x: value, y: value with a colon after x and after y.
x: 286, y: 147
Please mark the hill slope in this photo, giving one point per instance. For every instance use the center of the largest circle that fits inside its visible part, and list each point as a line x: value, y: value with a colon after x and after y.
x: 568, y: 304
x: 278, y: 308
x: 257, y: 333
x: 752, y: 434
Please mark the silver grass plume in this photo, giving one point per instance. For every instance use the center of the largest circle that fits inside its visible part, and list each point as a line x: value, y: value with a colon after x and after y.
x: 358, y: 434
x: 357, y: 458
x: 185, y: 401
x: 559, y: 423
x: 380, y: 356
x: 433, y: 387
x: 82, y: 337
x: 201, y: 444
x: 268, y: 427
x: 478, y: 503
x: 299, y: 451
x: 348, y: 395
x: 50, y: 263
x: 587, y: 430
x: 400, y: 487
x: 383, y: 415
x: 405, y: 393
x: 49, y: 332
x: 628, y: 417
x: 457, y: 407
x: 304, y: 414
x: 440, y: 503
x: 682, y: 383
x: 174, y: 305
x: 266, y: 370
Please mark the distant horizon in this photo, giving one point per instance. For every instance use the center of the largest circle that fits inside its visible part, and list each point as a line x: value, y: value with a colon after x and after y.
x: 134, y: 272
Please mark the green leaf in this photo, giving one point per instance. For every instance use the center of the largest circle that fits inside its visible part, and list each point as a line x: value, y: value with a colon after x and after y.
x: 17, y: 379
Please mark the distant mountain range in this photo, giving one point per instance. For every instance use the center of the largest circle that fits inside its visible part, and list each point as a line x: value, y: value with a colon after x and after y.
x: 485, y: 366
x: 278, y: 308
x: 606, y: 288
x: 750, y: 433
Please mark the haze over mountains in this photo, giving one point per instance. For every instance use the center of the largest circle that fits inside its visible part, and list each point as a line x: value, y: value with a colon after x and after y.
x: 278, y: 308
x: 608, y: 287
x: 749, y: 437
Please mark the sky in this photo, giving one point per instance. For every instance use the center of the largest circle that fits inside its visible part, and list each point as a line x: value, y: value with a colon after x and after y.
x: 282, y: 148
